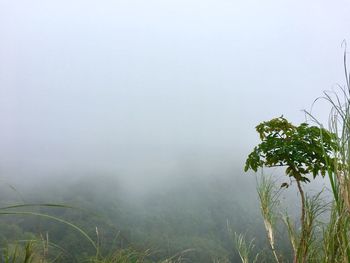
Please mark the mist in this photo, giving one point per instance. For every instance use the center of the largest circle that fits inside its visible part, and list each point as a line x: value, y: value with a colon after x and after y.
x: 157, y: 97
x: 111, y: 84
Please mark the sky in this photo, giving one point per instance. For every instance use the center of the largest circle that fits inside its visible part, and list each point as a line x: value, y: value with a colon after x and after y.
x: 146, y: 85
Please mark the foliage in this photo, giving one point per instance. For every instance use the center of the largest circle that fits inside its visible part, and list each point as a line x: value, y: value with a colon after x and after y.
x: 303, y: 149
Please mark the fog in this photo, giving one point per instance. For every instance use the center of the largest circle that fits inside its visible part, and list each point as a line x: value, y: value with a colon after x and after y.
x: 155, y: 93
x: 136, y: 85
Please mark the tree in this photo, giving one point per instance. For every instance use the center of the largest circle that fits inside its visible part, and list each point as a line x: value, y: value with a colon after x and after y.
x: 303, y: 150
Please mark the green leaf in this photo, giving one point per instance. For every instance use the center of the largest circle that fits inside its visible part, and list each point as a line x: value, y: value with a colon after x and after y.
x: 302, y: 149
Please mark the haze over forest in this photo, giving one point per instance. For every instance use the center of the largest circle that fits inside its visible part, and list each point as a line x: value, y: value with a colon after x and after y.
x: 151, y: 106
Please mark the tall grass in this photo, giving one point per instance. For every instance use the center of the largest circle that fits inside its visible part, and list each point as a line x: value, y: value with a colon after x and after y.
x: 245, y: 249
x: 37, y: 251
x: 269, y: 201
x: 337, y: 234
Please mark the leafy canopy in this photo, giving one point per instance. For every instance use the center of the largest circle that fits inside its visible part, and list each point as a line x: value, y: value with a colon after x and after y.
x: 302, y: 149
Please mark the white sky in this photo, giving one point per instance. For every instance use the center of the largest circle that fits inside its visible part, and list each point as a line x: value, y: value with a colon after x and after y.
x: 95, y: 81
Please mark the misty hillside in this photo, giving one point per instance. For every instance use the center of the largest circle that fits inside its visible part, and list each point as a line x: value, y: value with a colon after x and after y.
x: 127, y: 131
x: 192, y: 210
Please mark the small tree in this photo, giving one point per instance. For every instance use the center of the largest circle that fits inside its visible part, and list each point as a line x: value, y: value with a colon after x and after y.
x: 303, y: 150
